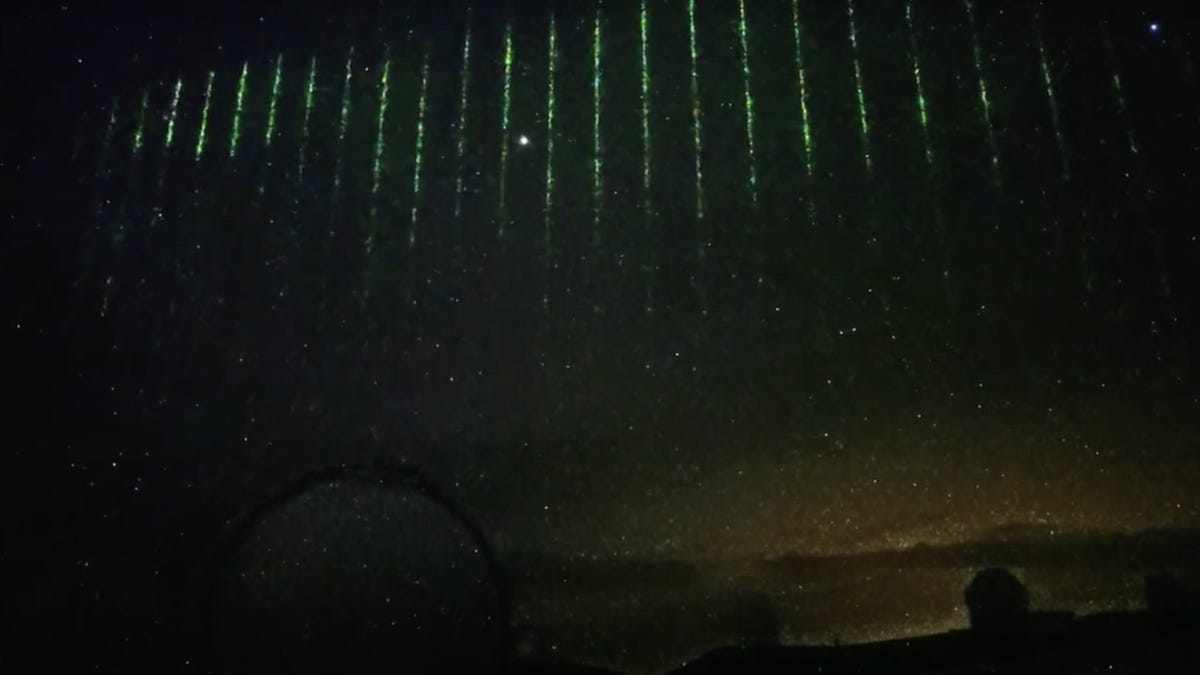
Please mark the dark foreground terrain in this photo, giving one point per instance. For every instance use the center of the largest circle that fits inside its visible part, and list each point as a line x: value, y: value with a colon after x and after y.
x: 1109, y: 643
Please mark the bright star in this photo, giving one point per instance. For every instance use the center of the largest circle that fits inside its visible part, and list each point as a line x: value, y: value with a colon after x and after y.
x: 523, y: 140
x: 1154, y: 27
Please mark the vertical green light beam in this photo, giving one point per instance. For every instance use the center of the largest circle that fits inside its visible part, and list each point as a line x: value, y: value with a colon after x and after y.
x: 914, y: 58
x: 101, y: 170
x: 173, y: 114
x: 810, y: 172
x: 271, y: 110
x: 380, y: 127
x: 552, y: 63
x: 236, y: 134
x: 139, y: 132
x: 914, y: 55
x: 744, y: 39
x: 105, y: 150
x: 547, y: 241
x: 1051, y: 96
x: 505, y: 108
x: 1156, y: 233
x: 1117, y: 87
x: 985, y: 101
x: 647, y: 205
x: 168, y: 142
x: 343, y: 123
x: 597, y: 158
x: 420, y: 152
x: 202, y: 134
x: 864, y: 121
x: 109, y: 130
x: 644, y: 23
x: 697, y: 122
x: 802, y: 82
x: 461, y: 149
x: 309, y: 91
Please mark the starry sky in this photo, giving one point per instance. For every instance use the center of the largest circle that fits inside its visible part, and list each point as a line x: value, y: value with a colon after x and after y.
x: 923, y: 279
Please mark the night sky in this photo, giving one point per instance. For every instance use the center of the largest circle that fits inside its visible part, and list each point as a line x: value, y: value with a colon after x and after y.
x: 928, y: 280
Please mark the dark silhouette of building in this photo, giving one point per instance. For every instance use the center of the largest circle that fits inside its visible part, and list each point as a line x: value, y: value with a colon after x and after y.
x: 354, y: 569
x: 997, y: 601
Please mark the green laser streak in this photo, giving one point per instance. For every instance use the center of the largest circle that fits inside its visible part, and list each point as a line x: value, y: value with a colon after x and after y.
x: 168, y: 141
x: 380, y: 127
x: 864, y: 121
x: 647, y: 206
x: 802, y: 81
x: 461, y: 149
x: 644, y: 23
x: 109, y: 130
x: 343, y: 123
x: 105, y: 150
x: 1051, y: 96
x: 237, y: 113
x: 139, y: 132
x: 271, y: 111
x: 173, y: 113
x: 547, y: 243
x: 985, y: 101
x: 1117, y: 87
x: 505, y: 108
x: 597, y: 158
x: 420, y: 151
x: 550, y: 105
x: 309, y: 91
x: 101, y: 169
x: 202, y: 134
x: 744, y: 38
x: 919, y: 84
x: 111, y: 127
x: 914, y: 55
x: 697, y: 121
